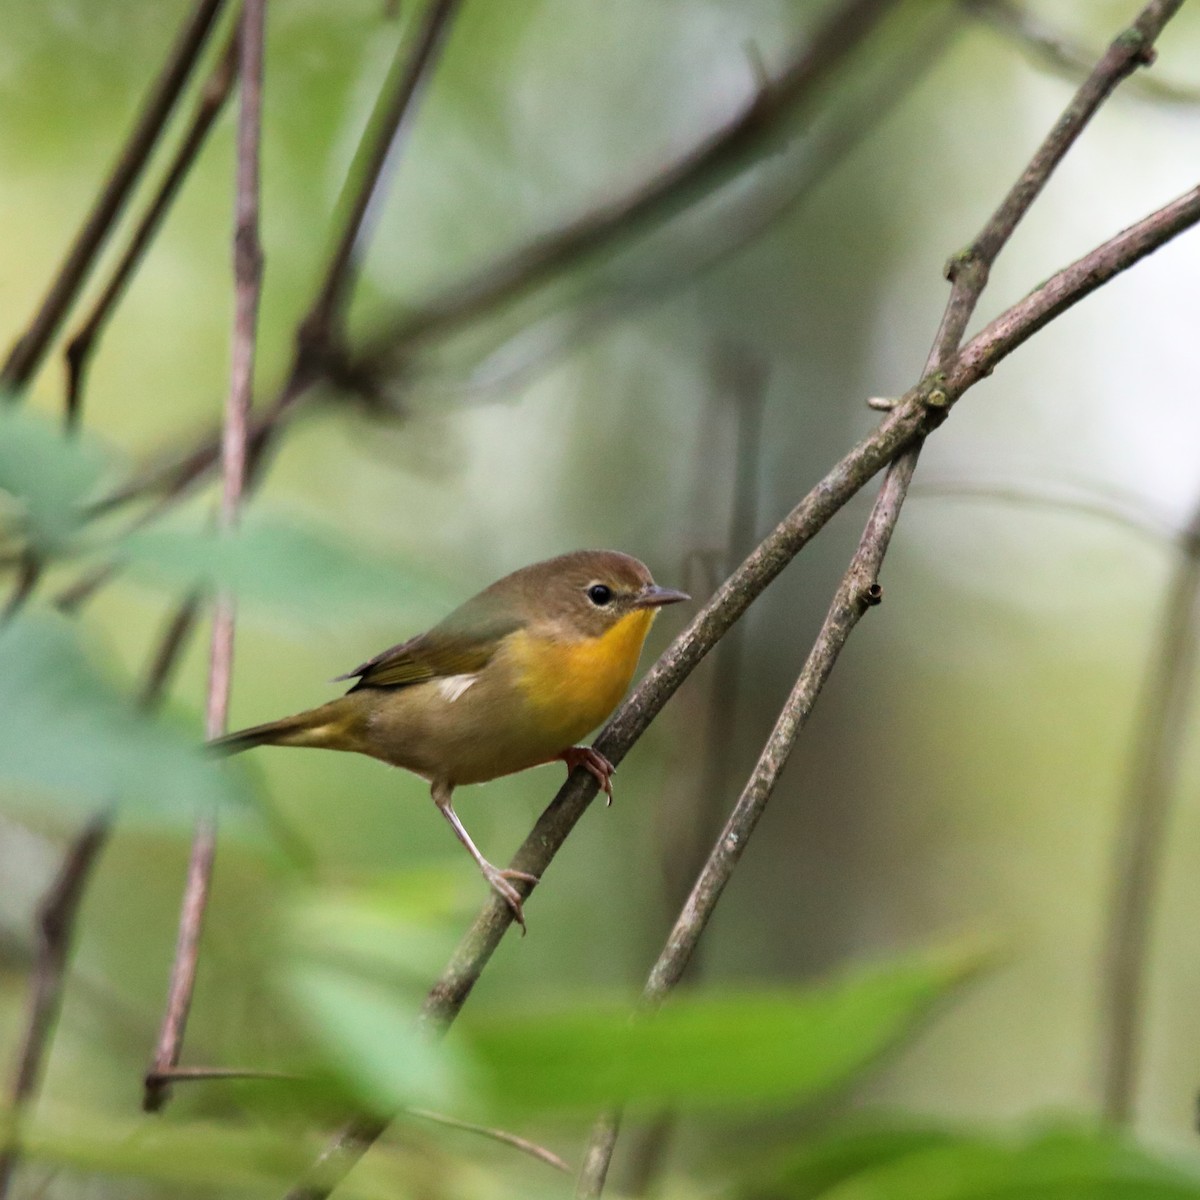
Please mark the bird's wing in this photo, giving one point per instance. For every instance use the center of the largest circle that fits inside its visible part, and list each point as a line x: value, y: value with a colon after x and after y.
x: 461, y: 645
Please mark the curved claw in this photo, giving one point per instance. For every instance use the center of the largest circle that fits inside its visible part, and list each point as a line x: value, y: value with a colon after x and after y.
x: 594, y: 763
x: 499, y: 882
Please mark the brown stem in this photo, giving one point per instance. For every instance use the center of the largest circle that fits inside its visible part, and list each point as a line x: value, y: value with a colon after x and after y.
x: 1047, y: 46
x: 497, y: 1135
x: 58, y: 912
x: 247, y: 267
x: 55, y: 922
x: 859, y: 588
x: 411, y: 72
x: 29, y: 571
x: 318, y: 330
x: 30, y: 348
x: 706, y: 166
x: 918, y: 412
x: 82, y: 343
x: 1160, y: 736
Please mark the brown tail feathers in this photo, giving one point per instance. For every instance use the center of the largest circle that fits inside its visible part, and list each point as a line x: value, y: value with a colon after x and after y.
x: 325, y: 727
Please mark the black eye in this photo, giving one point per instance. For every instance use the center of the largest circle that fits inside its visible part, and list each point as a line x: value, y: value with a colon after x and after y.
x: 599, y: 595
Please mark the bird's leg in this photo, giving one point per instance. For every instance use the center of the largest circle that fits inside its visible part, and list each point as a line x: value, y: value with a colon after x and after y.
x: 498, y: 879
x: 594, y: 763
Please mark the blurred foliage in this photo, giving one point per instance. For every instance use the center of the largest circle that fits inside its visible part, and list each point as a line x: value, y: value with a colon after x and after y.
x: 964, y: 766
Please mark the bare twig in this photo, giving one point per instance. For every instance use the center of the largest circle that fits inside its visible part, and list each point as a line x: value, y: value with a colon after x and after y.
x: 915, y: 414
x: 1050, y: 47
x: 29, y: 571
x: 1161, y: 732
x: 247, y: 260
x: 59, y: 909
x: 705, y: 167
x: 319, y: 330
x: 859, y: 588
x: 30, y: 348
x: 411, y: 71
x: 82, y: 343
x: 55, y: 920
x: 693, y: 176
x: 497, y: 1135
x: 690, y: 821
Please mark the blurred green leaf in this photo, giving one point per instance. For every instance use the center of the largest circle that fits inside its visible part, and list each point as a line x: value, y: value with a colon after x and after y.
x: 912, y: 1164
x: 705, y: 1050
x: 368, y: 1028
x: 46, y: 477
x: 69, y: 733
x: 400, y: 929
x: 273, y: 561
x: 220, y: 1155
x: 698, y: 1051
x: 816, y: 1166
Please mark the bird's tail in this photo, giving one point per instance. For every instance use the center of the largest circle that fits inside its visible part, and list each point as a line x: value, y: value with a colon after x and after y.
x: 328, y: 727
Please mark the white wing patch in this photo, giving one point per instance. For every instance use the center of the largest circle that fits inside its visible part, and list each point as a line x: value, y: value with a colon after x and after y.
x: 453, y: 686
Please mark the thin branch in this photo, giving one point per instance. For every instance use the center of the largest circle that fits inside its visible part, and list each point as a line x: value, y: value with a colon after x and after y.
x: 247, y: 263
x: 58, y: 912
x: 219, y: 1075
x: 55, y: 922
x: 29, y: 571
x: 30, y: 348
x: 497, y: 1135
x: 82, y: 343
x: 320, y: 328
x: 692, y: 818
x: 1160, y: 736
x: 1127, y: 511
x: 917, y: 413
x: 694, y: 175
x: 1049, y: 47
x: 859, y: 588
x: 410, y: 74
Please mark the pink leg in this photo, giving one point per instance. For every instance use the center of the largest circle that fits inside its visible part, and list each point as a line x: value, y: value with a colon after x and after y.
x: 498, y: 879
x: 594, y: 763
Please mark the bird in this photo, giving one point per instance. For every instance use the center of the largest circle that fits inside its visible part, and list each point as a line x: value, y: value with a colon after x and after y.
x: 511, y: 679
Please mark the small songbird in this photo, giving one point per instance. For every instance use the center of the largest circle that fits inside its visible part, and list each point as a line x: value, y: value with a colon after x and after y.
x: 511, y: 679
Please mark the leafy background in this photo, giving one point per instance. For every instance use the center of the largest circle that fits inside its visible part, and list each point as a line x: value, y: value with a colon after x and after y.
x: 962, y: 772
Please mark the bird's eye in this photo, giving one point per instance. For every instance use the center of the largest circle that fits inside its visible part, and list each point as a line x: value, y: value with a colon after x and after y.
x: 599, y: 594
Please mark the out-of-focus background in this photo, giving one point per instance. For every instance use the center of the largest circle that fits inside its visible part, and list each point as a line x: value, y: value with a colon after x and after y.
x: 963, y: 774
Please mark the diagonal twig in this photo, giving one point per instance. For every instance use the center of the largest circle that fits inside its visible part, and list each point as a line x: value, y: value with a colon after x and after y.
x: 859, y: 588
x: 917, y: 413
x: 30, y: 348
x: 695, y: 174
x: 59, y: 909
x: 82, y: 343
x: 319, y: 330
x: 379, y: 141
x: 247, y: 265
x: 1160, y: 734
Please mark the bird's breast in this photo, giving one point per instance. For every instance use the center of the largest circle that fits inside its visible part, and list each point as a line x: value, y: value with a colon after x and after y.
x: 574, y: 684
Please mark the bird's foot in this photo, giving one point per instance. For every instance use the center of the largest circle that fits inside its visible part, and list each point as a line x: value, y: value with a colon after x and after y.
x: 498, y: 880
x: 594, y: 763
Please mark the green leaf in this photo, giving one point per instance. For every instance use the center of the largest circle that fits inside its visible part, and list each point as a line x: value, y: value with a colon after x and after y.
x: 907, y: 1164
x: 223, y: 1156
x: 70, y: 734
x: 699, y: 1051
x: 281, y: 563
x: 371, y: 1038
x: 812, y: 1169
x: 704, y: 1050
x: 46, y: 477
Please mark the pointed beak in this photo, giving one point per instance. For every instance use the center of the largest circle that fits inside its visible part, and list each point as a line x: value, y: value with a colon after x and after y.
x: 655, y: 597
